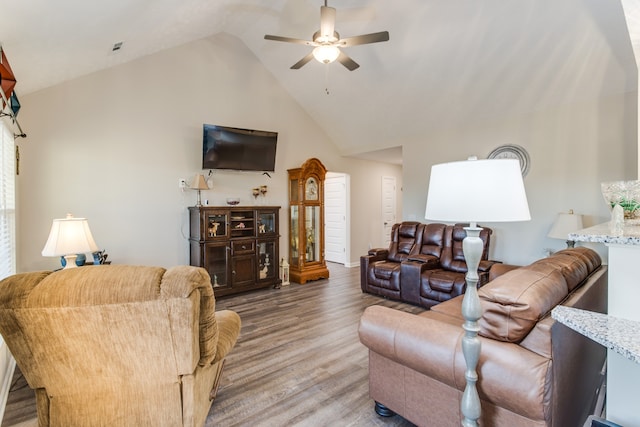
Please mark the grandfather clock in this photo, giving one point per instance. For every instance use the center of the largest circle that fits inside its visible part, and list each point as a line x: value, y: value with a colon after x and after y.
x: 306, y: 222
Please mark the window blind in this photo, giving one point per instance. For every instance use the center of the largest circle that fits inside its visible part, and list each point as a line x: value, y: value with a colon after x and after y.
x: 7, y: 202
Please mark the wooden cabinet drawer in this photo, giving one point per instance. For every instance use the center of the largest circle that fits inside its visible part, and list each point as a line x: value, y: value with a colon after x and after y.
x: 243, y: 247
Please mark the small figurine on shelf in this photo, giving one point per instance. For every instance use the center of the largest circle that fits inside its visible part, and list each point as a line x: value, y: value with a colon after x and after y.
x: 262, y: 228
x: 213, y: 229
x: 264, y: 271
x: 310, y: 244
x: 99, y: 257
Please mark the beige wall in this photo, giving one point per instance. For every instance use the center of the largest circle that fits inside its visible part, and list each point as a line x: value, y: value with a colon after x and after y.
x: 572, y: 148
x: 112, y: 145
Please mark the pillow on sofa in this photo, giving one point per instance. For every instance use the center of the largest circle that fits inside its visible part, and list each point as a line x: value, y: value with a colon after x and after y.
x: 513, y: 303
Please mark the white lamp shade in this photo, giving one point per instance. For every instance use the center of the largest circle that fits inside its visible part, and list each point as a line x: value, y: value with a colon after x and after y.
x: 565, y: 223
x: 199, y: 183
x: 69, y: 236
x: 326, y: 54
x: 477, y: 191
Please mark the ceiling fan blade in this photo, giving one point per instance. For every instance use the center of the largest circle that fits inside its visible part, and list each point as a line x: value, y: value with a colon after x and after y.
x: 302, y: 62
x: 382, y: 36
x: 344, y: 59
x: 289, y: 40
x: 327, y: 22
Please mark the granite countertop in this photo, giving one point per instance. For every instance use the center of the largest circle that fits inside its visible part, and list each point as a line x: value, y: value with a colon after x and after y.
x: 619, y: 335
x: 601, y: 233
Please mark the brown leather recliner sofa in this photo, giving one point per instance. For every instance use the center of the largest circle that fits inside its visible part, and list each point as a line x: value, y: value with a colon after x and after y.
x: 424, y: 264
x: 533, y: 371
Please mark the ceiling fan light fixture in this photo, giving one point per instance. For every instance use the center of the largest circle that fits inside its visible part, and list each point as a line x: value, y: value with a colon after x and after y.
x: 326, y: 54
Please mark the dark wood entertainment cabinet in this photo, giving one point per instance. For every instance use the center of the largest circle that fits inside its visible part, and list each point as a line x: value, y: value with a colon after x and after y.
x: 237, y: 245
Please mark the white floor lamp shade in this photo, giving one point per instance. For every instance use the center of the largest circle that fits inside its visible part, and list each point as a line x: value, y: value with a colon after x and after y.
x: 475, y: 191
x: 68, y: 237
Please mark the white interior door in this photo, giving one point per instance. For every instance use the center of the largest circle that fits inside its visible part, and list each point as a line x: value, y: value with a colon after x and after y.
x: 335, y: 217
x: 388, y: 207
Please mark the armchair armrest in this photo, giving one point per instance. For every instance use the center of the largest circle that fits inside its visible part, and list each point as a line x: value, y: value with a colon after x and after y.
x: 486, y: 265
x: 379, y: 253
x: 428, y: 261
x: 432, y: 348
x: 410, y: 272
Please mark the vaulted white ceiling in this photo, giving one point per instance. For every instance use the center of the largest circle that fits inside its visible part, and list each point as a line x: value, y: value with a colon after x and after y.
x: 448, y: 62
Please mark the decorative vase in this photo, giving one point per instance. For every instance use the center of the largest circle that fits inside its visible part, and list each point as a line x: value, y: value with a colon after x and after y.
x: 80, y: 260
x: 626, y: 194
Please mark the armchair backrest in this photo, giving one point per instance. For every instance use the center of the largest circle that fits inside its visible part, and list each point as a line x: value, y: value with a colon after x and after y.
x: 452, y: 257
x: 403, y: 240
x: 430, y: 240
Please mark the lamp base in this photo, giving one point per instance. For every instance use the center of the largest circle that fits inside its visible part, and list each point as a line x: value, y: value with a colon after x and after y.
x: 70, y: 261
x: 472, y: 312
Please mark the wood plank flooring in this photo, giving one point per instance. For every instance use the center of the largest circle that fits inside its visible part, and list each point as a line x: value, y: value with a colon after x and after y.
x: 298, y: 361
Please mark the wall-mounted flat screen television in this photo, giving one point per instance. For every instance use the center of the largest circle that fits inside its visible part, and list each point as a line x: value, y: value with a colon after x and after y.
x: 238, y: 149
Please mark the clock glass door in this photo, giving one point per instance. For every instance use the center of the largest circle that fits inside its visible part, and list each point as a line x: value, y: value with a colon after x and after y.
x: 312, y: 227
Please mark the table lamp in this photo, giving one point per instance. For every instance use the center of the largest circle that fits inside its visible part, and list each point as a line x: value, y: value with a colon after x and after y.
x: 469, y: 192
x: 199, y: 183
x: 68, y: 237
x: 565, y: 223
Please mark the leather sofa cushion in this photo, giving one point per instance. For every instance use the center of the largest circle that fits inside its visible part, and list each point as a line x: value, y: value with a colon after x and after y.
x: 384, y: 270
x: 431, y: 240
x: 574, y: 264
x: 404, y: 242
x: 442, y: 280
x: 513, y: 303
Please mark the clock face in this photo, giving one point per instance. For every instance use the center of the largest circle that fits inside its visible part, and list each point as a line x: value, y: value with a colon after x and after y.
x: 311, y: 189
x: 511, y: 151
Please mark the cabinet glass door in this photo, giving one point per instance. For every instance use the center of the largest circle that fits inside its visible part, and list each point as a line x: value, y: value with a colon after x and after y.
x: 215, y: 260
x: 266, y: 223
x: 294, y: 236
x: 216, y: 225
x: 267, y: 262
x: 312, y: 229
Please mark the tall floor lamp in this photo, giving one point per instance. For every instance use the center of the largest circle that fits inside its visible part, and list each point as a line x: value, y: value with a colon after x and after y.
x: 475, y: 191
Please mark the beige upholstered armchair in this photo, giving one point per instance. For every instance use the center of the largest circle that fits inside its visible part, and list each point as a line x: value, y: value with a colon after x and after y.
x: 118, y: 345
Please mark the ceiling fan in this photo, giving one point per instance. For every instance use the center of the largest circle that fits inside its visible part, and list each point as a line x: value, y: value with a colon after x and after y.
x: 327, y: 41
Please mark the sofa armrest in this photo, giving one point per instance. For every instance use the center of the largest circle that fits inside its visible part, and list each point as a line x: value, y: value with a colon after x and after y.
x: 423, y: 344
x: 432, y: 348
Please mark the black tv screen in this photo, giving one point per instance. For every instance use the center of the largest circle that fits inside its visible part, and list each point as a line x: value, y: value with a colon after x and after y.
x: 238, y: 149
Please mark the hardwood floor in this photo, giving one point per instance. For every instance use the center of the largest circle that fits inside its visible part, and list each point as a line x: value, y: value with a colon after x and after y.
x: 298, y: 361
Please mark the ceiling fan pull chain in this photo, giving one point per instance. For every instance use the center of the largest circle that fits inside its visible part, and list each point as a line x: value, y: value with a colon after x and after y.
x: 326, y: 78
